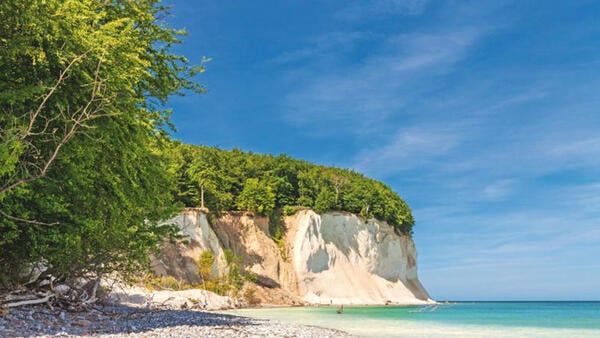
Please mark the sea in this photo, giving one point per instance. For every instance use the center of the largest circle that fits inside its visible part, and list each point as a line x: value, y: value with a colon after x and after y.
x: 452, y: 319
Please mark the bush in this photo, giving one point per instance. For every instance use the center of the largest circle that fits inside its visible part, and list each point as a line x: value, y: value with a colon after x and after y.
x: 152, y: 282
x: 205, y: 265
x: 251, y: 277
x: 250, y: 296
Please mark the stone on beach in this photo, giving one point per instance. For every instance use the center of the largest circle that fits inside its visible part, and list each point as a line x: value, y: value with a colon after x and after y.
x: 137, y: 322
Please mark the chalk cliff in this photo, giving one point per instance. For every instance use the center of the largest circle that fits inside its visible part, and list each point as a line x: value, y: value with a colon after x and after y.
x: 179, y: 260
x: 334, y: 258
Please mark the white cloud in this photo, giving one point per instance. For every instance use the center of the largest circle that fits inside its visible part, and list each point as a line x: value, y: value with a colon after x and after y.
x: 408, y: 149
x: 539, y: 245
x: 583, y: 198
x: 365, y: 10
x: 361, y: 97
x: 417, y: 51
x: 499, y: 190
x: 328, y: 45
x: 586, y: 146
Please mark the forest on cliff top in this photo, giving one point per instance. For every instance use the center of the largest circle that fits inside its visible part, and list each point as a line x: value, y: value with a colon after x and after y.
x: 224, y: 180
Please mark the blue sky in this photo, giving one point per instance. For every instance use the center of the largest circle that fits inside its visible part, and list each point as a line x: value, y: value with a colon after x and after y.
x: 482, y: 115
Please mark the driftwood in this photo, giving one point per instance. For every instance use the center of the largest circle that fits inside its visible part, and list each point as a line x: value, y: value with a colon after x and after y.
x: 11, y: 298
x: 62, y: 295
x: 45, y: 291
x: 29, y: 302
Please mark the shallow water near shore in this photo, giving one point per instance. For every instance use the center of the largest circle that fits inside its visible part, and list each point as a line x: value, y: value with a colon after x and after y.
x: 472, y: 319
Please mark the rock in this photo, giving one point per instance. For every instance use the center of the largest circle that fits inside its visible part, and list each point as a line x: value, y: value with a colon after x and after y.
x: 61, y: 289
x: 35, y: 270
x: 83, y: 322
x: 139, y: 297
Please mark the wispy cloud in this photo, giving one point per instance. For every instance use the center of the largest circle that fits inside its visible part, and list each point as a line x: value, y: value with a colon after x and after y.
x: 499, y: 190
x: 419, y: 51
x: 361, y: 10
x: 408, y: 149
x: 360, y: 98
x: 525, y: 149
x: 584, y: 146
x: 584, y: 199
x: 323, y: 48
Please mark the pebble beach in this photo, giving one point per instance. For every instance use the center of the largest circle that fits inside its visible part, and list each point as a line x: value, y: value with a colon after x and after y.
x: 41, y: 321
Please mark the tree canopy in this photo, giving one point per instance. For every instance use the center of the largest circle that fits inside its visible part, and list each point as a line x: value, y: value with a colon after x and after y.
x: 82, y: 175
x: 236, y: 180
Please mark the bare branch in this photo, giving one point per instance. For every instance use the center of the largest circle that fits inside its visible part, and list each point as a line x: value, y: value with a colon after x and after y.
x: 73, y: 122
x: 61, y: 78
x: 22, y: 220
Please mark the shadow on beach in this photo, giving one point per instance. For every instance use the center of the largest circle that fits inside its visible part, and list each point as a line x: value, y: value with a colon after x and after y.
x: 111, y: 320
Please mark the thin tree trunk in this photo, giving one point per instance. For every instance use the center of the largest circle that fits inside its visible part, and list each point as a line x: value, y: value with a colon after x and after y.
x: 202, y: 197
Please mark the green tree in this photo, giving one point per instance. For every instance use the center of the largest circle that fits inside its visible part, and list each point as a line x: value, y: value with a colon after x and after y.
x: 204, y: 171
x: 284, y: 179
x: 257, y: 197
x: 83, y: 175
x: 325, y: 201
x: 309, y: 184
x: 179, y: 157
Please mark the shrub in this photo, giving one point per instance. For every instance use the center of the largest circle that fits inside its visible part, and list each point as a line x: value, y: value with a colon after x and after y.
x: 205, y: 265
x: 250, y: 296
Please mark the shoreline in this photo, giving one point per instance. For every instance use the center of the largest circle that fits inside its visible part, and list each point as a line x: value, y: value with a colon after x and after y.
x: 310, y: 306
x: 347, y: 304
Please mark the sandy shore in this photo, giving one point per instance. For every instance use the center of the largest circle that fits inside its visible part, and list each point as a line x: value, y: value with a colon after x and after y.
x: 136, y: 322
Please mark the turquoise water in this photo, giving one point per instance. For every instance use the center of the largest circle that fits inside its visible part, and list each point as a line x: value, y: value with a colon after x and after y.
x: 468, y: 319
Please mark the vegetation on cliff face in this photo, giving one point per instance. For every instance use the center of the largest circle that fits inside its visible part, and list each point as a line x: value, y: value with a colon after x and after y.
x: 82, y: 178
x: 234, y: 180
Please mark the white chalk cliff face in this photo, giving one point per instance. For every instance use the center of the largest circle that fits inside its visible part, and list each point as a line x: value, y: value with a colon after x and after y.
x: 178, y: 260
x: 334, y: 258
x: 338, y: 258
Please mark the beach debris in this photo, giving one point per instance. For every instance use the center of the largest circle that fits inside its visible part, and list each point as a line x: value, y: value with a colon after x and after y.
x: 22, y: 298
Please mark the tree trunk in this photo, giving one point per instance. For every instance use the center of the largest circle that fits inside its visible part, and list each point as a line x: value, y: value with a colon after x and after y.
x: 202, y: 197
